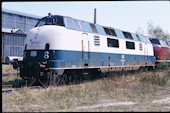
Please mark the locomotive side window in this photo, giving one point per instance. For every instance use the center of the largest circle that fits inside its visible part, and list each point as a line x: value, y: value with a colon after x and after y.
x: 70, y: 23
x: 107, y: 31
x: 112, y: 42
x: 88, y: 28
x: 130, y: 45
x: 113, y: 32
x: 100, y: 29
x: 47, y: 46
x: 147, y: 40
x: 96, y: 41
x: 76, y: 25
x: 138, y: 37
x: 127, y: 35
x: 93, y: 27
x: 82, y: 25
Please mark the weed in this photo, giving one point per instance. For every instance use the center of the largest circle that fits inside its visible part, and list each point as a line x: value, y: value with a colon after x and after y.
x: 14, y: 80
x: 154, y: 78
x: 6, y: 69
x: 136, y: 87
x: 162, y: 65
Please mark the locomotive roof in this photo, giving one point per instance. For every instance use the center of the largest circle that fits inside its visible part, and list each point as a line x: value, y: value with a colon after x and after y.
x: 141, y: 36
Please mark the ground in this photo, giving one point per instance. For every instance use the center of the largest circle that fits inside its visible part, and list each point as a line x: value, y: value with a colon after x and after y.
x: 141, y: 91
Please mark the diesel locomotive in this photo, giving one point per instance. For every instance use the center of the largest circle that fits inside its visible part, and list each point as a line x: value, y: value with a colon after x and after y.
x: 60, y: 45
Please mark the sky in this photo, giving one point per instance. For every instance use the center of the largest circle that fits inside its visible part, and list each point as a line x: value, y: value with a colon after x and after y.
x: 129, y: 16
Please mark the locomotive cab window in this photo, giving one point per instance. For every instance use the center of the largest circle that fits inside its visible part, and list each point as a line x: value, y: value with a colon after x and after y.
x: 53, y: 20
x: 70, y: 23
x: 130, y: 45
x: 47, y: 46
x: 50, y: 21
x: 60, y: 21
x: 112, y: 42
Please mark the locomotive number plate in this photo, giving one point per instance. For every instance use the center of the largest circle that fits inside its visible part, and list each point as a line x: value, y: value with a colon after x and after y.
x: 33, y: 53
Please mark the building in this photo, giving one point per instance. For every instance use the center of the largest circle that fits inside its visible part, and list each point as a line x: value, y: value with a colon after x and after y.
x: 15, y: 26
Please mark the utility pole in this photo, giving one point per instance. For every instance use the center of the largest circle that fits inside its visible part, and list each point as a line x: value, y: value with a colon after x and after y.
x: 95, y: 16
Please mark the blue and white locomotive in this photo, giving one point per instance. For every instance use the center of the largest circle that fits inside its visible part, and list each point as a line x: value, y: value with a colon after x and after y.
x: 63, y: 45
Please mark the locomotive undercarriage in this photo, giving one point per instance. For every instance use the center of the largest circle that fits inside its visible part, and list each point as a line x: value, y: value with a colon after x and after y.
x: 39, y: 72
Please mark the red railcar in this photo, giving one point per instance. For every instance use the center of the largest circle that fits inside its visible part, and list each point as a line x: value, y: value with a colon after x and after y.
x: 161, y: 50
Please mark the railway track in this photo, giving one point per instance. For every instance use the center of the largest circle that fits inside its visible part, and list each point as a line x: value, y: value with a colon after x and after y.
x: 9, y: 88
x: 9, y: 74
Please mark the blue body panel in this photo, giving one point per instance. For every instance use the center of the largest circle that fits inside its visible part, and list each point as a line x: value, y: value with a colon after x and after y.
x: 67, y: 59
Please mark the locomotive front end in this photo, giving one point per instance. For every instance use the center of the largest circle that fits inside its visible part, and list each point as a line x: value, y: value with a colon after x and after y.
x: 40, y: 45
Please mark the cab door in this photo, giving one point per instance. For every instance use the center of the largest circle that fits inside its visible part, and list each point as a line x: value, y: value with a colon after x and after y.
x: 146, y: 52
x: 85, y: 49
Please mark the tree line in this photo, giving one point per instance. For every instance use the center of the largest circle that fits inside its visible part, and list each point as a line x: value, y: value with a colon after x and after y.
x: 154, y: 32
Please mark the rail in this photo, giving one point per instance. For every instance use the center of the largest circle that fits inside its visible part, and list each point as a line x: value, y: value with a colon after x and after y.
x: 8, y: 88
x: 9, y: 74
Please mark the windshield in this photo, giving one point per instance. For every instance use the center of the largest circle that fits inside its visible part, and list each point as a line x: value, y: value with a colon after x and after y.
x: 53, y: 20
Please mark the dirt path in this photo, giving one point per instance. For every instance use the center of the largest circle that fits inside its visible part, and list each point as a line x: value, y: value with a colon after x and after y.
x: 160, y: 102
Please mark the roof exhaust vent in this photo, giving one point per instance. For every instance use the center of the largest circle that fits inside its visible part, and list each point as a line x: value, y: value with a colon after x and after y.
x: 95, y: 16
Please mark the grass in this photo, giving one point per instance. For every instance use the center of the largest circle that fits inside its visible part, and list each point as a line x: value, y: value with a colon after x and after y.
x: 14, y: 80
x: 154, y: 78
x: 142, y: 87
x: 7, y: 69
